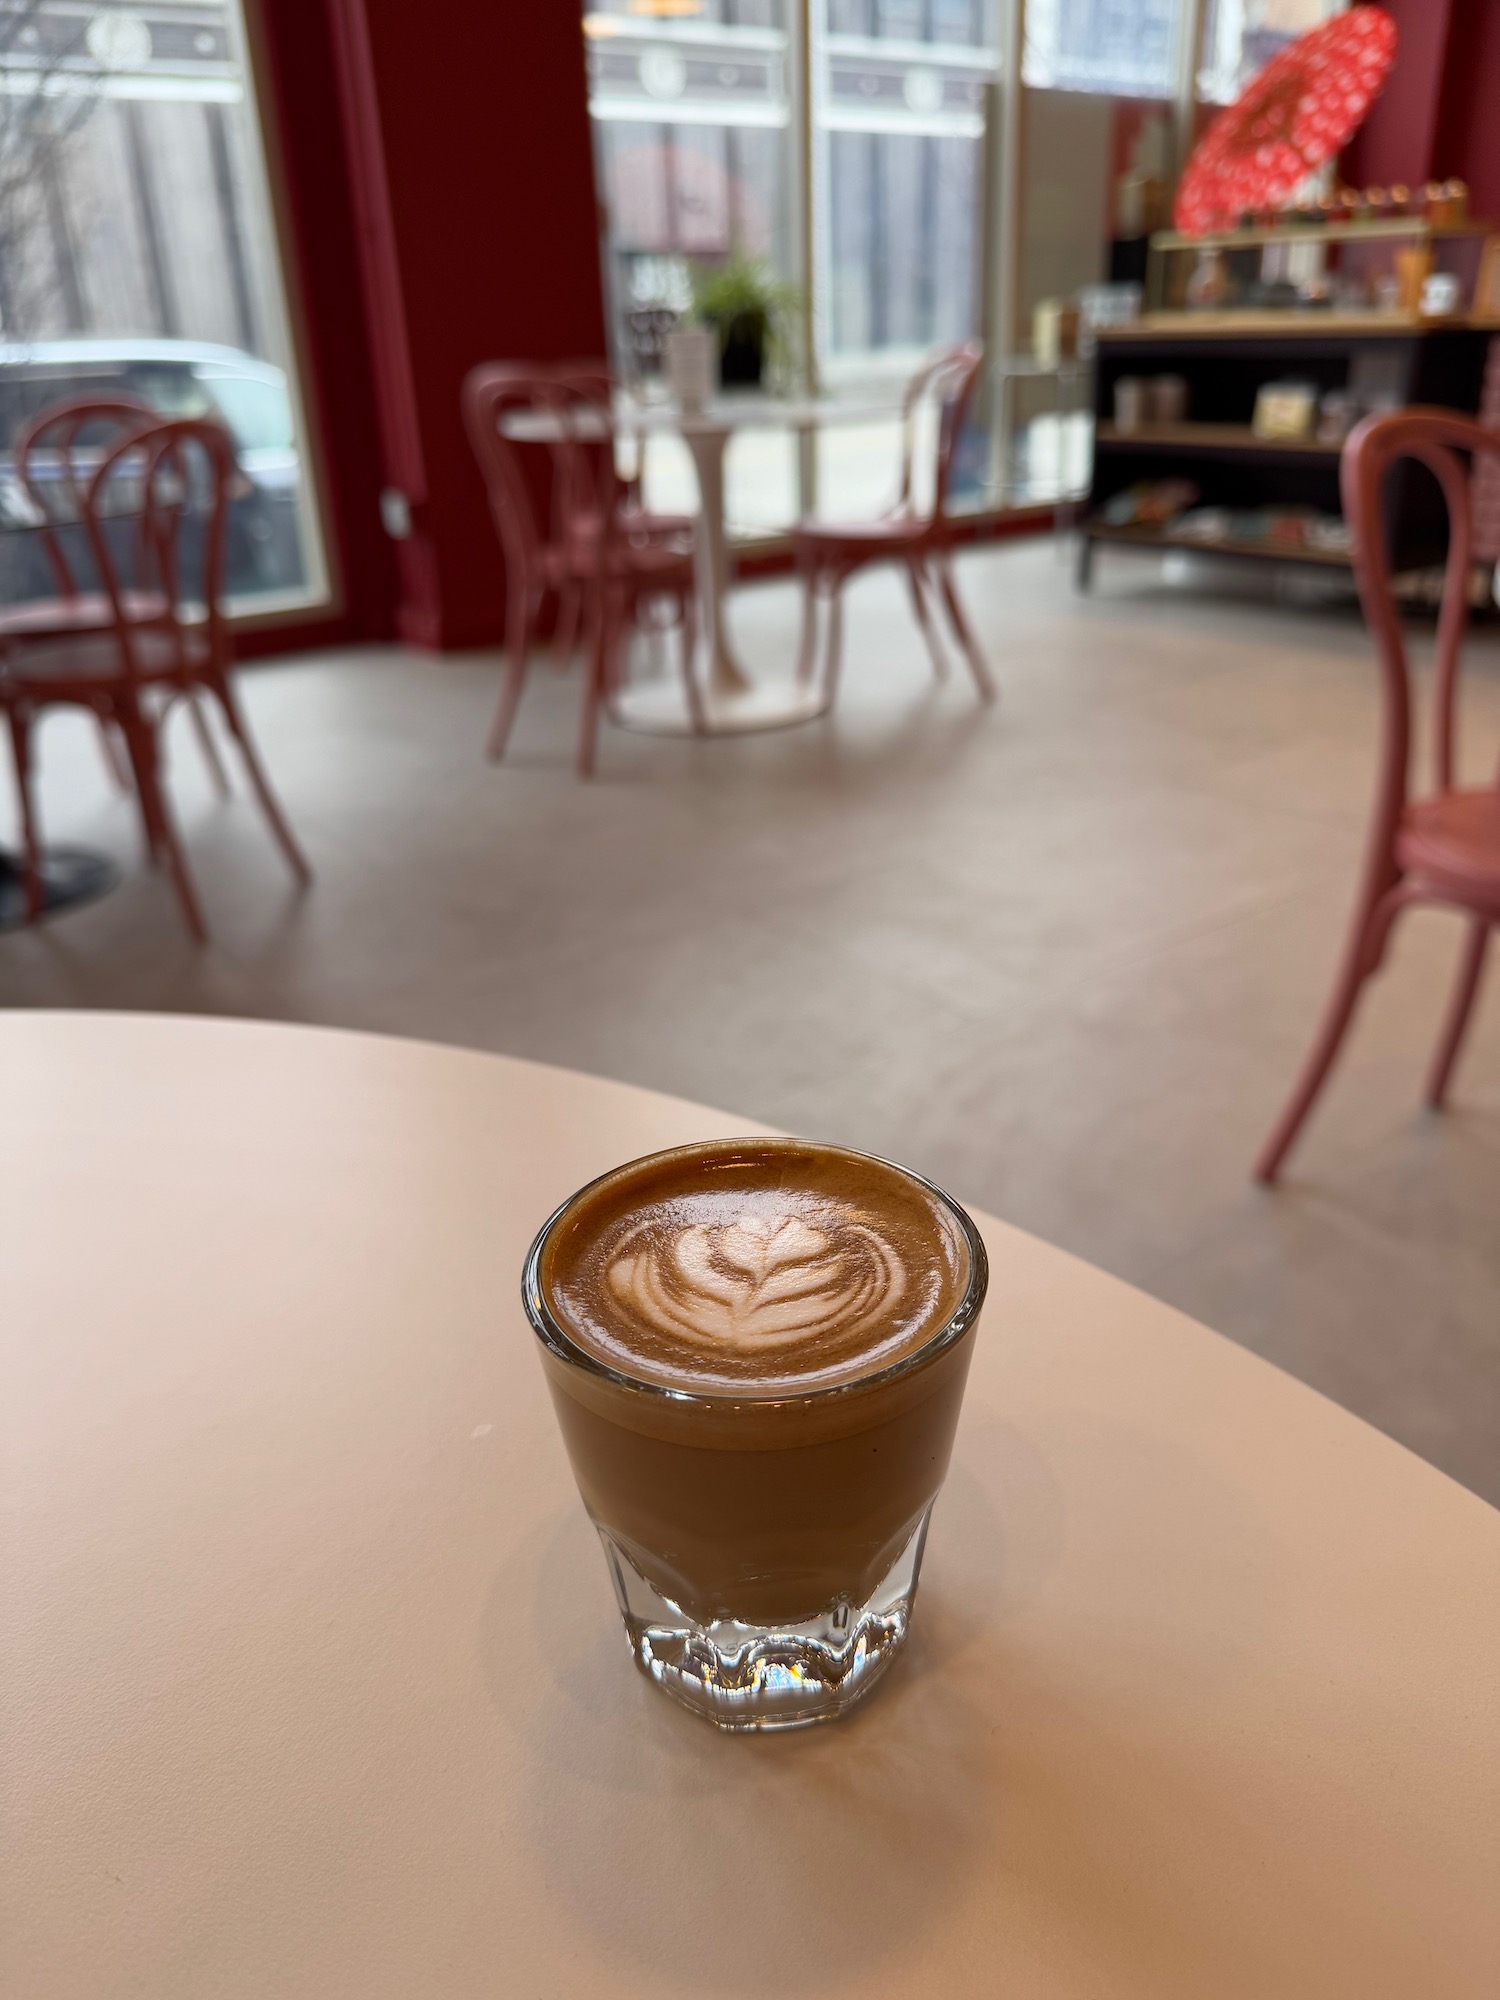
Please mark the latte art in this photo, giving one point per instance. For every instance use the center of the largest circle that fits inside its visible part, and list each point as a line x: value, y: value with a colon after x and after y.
x: 755, y: 1265
x: 760, y: 1284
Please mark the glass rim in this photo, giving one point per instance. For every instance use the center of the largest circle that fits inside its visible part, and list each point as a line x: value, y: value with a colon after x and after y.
x: 559, y: 1342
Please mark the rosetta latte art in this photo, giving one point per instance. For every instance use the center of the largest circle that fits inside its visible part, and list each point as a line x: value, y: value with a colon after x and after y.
x: 760, y: 1284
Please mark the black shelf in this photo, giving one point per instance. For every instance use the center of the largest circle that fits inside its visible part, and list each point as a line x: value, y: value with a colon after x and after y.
x: 1215, y: 447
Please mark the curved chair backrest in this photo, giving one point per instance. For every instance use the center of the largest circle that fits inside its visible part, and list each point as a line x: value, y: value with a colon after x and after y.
x: 574, y: 401
x: 175, y: 479
x: 55, y: 456
x: 492, y: 392
x: 586, y: 476
x: 945, y: 384
x: 1435, y: 438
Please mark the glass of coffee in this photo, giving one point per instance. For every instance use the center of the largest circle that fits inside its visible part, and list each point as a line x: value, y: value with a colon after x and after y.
x: 757, y: 1349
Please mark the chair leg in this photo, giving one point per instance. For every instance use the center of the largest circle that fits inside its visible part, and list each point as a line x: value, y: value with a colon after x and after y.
x: 114, y: 763
x: 217, y: 774
x: 915, y: 581
x: 1460, y: 1009
x: 595, y: 687
x: 833, y: 657
x: 569, y: 610
x: 520, y: 617
x: 140, y: 741
x: 1362, y: 956
x: 807, y: 651
x: 983, y: 679
x: 20, y: 744
x: 270, y: 805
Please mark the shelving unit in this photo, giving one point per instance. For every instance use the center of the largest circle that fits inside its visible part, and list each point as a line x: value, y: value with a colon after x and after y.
x: 1205, y: 437
x: 1163, y: 538
x: 1225, y: 365
x: 1172, y: 253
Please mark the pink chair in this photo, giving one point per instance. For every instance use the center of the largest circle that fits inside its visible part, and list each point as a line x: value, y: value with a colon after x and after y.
x: 917, y: 536
x: 165, y: 490
x: 602, y: 554
x: 1442, y: 847
x: 54, y: 457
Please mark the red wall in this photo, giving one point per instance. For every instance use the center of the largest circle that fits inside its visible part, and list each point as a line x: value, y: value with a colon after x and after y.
x: 1398, y: 140
x: 1438, y: 117
x: 467, y: 130
x: 1468, y: 135
x: 437, y: 174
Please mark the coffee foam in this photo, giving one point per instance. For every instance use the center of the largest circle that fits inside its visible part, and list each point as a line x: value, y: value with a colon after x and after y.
x: 758, y: 1264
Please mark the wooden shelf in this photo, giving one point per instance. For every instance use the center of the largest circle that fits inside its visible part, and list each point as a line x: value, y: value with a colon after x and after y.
x: 1209, y: 437
x: 1387, y: 229
x: 1149, y: 536
x: 1286, y: 322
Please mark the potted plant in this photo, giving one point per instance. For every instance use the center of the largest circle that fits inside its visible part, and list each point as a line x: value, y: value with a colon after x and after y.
x: 749, y: 308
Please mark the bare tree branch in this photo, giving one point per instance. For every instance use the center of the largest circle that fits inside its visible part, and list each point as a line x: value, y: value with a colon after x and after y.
x: 49, y: 86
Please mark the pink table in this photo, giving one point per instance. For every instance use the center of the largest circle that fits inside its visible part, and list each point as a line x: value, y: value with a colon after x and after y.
x: 313, y: 1683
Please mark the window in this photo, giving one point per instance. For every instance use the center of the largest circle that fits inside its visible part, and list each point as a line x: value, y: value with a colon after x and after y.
x: 1117, y: 48
x: 899, y: 117
x: 138, y: 255
x: 692, y: 123
x: 858, y: 145
x: 1241, y: 36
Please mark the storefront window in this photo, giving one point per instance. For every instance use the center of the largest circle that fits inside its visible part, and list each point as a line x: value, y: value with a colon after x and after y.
x: 138, y: 256
x: 692, y: 125
x: 899, y: 111
x: 1117, y: 48
x: 1241, y: 36
x: 703, y: 119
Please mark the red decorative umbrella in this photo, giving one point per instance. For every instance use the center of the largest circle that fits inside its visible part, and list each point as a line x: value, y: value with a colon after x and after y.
x: 1304, y: 105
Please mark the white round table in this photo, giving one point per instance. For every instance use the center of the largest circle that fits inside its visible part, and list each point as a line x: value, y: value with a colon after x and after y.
x: 732, y: 702
x: 314, y: 1685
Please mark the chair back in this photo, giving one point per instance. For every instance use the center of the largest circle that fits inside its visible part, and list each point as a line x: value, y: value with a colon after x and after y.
x: 1435, y: 438
x: 940, y: 394
x: 55, y: 456
x: 173, y: 480
x: 573, y: 400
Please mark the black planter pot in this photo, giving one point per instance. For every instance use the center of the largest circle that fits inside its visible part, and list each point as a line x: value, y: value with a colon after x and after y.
x: 742, y: 353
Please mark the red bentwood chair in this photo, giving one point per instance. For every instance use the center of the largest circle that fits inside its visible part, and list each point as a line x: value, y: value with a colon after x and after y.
x: 1443, y: 847
x: 918, y: 535
x: 162, y: 492
x: 602, y: 556
x: 54, y: 457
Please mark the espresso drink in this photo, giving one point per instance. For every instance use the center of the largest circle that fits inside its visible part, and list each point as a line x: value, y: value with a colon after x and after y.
x: 757, y: 1350
x: 761, y: 1269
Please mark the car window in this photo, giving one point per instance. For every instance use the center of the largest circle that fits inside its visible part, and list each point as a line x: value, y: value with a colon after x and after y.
x: 25, y: 391
x: 257, y: 412
x: 168, y: 386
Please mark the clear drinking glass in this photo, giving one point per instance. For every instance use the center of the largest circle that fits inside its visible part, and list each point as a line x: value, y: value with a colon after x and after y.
x: 764, y: 1549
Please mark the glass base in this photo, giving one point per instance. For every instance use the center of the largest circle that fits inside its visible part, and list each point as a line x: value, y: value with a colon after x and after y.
x: 751, y: 1677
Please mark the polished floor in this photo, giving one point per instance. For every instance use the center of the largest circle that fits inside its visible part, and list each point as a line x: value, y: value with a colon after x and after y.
x: 1064, y: 956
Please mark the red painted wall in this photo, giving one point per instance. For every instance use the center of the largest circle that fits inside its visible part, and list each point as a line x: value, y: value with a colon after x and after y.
x: 1468, y: 134
x: 467, y: 130
x: 1398, y: 140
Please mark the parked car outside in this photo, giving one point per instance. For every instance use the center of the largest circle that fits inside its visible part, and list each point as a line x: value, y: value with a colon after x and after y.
x: 179, y: 378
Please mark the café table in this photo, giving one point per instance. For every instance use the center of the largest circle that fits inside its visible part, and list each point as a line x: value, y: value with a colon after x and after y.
x: 733, y: 702
x: 314, y: 1684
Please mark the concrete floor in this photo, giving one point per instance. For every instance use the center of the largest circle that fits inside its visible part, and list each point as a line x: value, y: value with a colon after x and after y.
x: 1064, y: 956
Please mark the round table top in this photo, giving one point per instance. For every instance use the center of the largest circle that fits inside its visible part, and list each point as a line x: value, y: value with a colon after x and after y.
x: 314, y: 1683
x: 745, y: 409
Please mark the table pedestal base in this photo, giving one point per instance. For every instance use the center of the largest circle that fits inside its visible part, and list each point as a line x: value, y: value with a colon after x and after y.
x: 659, y: 708
x: 70, y: 876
